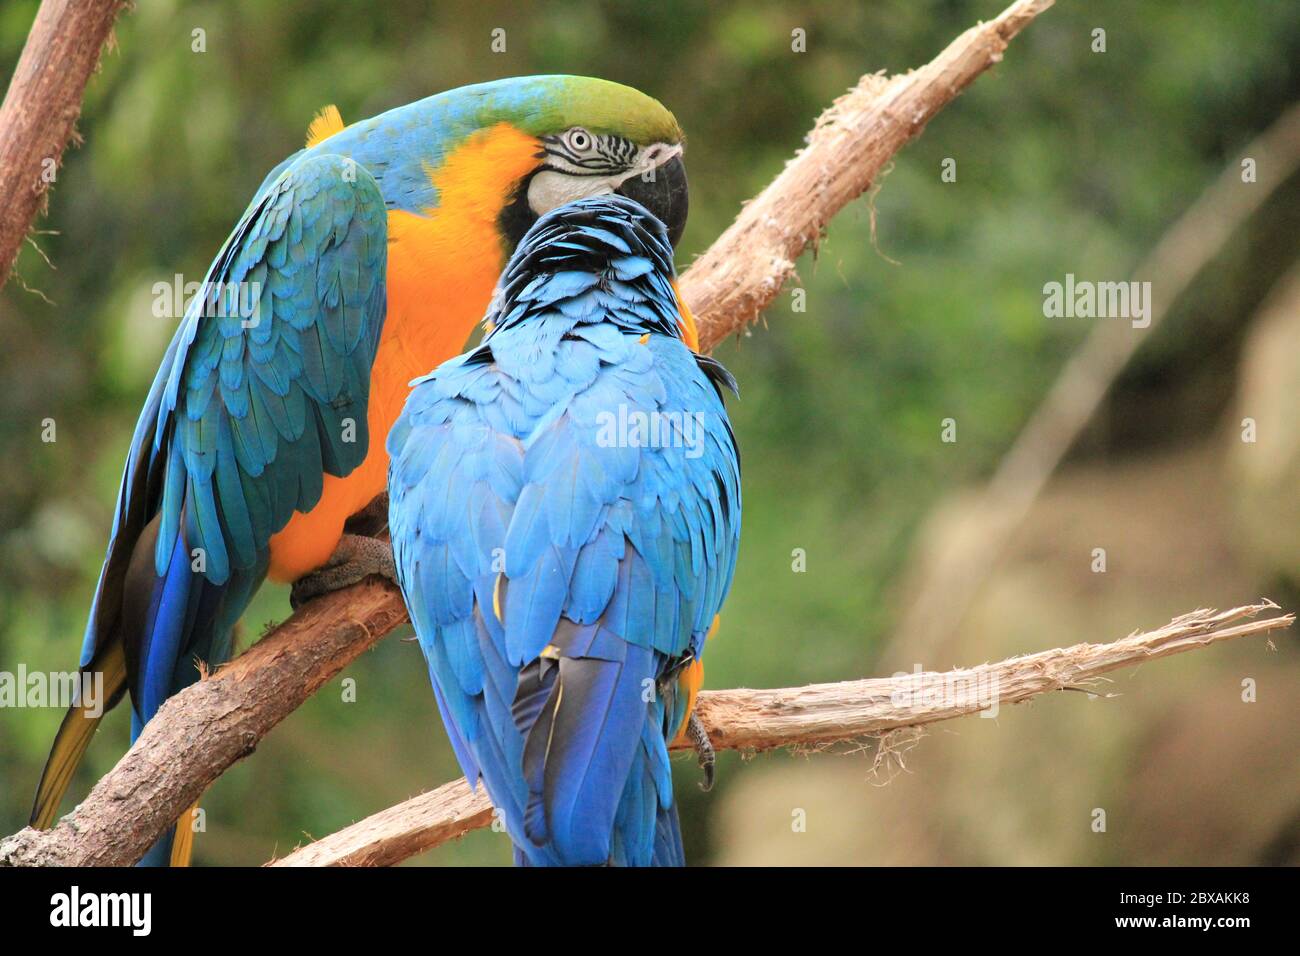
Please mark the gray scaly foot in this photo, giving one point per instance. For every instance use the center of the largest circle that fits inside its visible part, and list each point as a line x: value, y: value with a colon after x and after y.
x: 356, y: 558
x: 699, y: 738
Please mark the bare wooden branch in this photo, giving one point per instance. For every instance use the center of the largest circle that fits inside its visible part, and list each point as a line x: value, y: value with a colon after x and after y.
x: 400, y: 832
x: 740, y: 274
x: 201, y: 732
x: 813, y: 715
x: 42, y: 106
x: 204, y: 730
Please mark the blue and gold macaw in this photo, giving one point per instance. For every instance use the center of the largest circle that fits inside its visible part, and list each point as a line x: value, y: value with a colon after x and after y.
x: 363, y: 261
x: 564, y: 502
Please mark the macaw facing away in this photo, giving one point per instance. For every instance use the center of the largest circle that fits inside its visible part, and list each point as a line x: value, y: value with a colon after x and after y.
x: 564, y: 503
x: 363, y: 261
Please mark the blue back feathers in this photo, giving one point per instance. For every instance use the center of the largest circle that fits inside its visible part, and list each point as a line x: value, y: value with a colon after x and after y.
x: 565, y: 510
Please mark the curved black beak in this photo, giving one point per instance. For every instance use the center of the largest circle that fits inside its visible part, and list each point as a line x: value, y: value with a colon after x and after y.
x: 663, y: 191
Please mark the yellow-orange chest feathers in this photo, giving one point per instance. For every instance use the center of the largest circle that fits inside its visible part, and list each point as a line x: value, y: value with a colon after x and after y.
x: 442, y: 268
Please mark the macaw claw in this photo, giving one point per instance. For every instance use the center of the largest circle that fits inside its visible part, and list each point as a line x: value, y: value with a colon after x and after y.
x: 699, y: 738
x: 372, y: 520
x: 356, y: 558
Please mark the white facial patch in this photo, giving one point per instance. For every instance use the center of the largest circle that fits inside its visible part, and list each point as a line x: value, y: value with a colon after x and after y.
x: 551, y: 188
x: 555, y: 187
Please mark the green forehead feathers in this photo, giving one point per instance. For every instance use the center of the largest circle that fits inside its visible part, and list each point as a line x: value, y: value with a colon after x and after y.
x: 541, y: 105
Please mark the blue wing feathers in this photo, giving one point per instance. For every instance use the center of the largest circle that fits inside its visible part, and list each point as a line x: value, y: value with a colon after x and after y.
x: 249, y: 411
x: 256, y: 385
x: 244, y: 418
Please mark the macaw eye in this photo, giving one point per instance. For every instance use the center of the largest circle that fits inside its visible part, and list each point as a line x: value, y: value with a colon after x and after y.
x: 579, y: 140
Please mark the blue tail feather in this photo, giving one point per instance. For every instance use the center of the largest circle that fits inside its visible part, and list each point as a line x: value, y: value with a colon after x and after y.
x: 189, y: 619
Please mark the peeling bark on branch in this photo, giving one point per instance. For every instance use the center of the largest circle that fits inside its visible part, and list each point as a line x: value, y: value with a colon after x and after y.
x: 813, y: 715
x: 204, y: 730
x: 42, y: 106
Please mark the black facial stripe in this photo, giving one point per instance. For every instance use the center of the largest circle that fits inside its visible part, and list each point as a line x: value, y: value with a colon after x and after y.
x: 619, y: 150
x: 599, y: 164
x: 592, y: 174
x: 607, y: 152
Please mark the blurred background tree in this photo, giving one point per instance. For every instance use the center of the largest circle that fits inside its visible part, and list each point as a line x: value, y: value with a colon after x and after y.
x: 1068, y: 161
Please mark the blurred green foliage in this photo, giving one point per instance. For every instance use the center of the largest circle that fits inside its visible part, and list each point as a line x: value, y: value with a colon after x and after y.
x: 1067, y: 161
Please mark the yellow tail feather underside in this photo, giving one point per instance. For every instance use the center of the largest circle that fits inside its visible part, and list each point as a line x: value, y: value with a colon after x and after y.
x: 73, y: 738
x: 689, y: 683
x: 687, y: 323
x: 183, y: 842
x: 327, y: 122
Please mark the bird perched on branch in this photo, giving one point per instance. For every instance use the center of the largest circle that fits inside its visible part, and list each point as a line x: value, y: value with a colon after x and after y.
x: 564, y: 502
x: 363, y: 261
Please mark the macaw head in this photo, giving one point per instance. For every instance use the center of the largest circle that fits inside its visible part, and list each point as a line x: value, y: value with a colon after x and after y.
x: 516, y: 148
x: 597, y: 138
